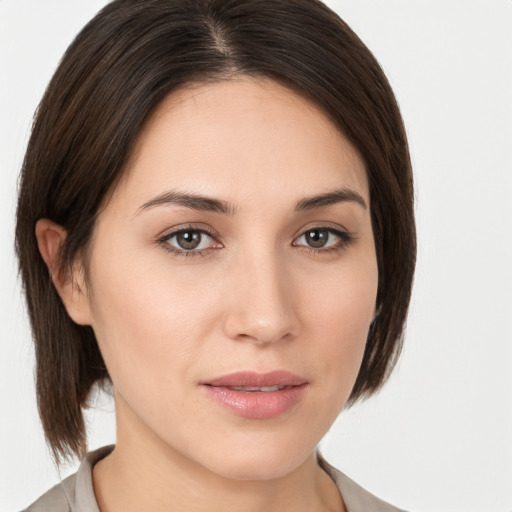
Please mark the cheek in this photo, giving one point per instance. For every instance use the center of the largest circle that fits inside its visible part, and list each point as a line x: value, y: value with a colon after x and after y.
x: 340, y: 313
x: 149, y: 321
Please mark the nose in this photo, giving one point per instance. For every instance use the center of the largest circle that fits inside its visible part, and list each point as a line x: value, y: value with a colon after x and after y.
x: 261, y: 307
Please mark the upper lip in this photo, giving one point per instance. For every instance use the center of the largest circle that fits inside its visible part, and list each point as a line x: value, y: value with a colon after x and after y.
x: 257, y: 379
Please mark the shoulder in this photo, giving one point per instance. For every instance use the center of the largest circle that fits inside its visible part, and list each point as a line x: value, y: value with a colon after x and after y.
x: 356, y: 498
x: 76, y: 492
x: 58, y: 499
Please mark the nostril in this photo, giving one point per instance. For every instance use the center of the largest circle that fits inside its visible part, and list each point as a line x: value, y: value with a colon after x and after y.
x: 263, y: 333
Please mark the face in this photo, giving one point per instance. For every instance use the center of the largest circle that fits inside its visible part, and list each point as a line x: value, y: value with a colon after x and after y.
x: 233, y: 278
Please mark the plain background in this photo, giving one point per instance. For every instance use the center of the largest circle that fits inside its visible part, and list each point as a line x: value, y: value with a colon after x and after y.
x: 439, y: 437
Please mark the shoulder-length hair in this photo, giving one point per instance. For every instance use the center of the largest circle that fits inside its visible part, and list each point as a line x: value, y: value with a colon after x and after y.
x: 119, y: 68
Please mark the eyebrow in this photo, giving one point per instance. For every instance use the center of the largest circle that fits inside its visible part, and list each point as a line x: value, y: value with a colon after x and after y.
x: 192, y: 201
x: 340, y: 195
x: 210, y: 204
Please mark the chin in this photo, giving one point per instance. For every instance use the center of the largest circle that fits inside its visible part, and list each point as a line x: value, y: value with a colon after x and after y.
x: 258, y: 460
x: 256, y: 468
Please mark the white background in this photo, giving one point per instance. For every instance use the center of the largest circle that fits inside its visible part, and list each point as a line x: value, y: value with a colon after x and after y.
x: 439, y: 437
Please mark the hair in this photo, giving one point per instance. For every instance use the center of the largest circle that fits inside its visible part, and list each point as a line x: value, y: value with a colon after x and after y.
x: 115, y: 73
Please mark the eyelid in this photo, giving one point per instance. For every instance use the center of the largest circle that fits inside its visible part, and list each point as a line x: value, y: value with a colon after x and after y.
x: 176, y: 230
x: 332, y: 226
x: 188, y: 226
x: 345, y: 238
x: 344, y: 235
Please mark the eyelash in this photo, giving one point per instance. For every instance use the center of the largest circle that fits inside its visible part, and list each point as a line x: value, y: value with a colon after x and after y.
x: 163, y: 241
x: 345, y: 240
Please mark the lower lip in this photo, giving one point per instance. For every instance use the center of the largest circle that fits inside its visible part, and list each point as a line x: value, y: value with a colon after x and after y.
x: 260, y: 405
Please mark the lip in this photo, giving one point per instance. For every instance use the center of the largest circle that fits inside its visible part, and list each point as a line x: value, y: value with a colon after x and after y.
x: 257, y: 404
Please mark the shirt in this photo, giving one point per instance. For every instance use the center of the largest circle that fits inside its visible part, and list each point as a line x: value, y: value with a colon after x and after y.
x: 76, y: 492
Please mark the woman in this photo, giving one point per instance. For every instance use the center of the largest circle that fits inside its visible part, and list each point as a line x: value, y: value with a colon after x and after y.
x: 216, y: 218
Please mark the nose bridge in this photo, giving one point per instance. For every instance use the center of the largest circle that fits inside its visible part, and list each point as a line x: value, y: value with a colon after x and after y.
x: 262, y: 309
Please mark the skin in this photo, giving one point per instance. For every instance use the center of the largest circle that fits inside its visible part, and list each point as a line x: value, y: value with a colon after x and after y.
x: 254, y: 296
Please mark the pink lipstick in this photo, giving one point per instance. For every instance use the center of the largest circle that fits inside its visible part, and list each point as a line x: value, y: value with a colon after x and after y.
x: 257, y: 395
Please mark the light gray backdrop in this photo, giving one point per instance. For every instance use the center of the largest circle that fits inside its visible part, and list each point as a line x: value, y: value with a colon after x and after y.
x: 439, y: 437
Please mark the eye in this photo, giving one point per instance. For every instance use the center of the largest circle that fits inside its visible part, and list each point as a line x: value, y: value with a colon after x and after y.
x: 323, y: 239
x: 189, y: 240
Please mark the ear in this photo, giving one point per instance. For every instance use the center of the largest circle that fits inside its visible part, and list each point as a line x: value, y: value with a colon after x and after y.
x: 69, y: 283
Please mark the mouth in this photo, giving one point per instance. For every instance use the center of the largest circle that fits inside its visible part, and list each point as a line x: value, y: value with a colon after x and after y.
x: 257, y: 395
x: 252, y: 389
x: 255, y: 381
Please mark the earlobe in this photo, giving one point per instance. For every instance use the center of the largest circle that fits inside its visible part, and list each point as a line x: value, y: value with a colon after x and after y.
x: 69, y: 283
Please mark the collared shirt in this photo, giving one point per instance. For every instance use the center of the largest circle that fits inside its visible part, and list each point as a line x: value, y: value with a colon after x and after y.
x: 76, y: 492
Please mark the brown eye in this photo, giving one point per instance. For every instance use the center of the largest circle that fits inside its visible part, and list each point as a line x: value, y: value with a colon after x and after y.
x: 323, y: 239
x: 317, y: 238
x: 189, y: 240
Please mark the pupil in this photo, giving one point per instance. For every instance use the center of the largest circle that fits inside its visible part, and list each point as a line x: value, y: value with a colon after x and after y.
x: 317, y: 237
x: 188, y: 239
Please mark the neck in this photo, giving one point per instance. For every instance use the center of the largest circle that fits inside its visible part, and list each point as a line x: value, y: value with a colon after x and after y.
x: 144, y: 473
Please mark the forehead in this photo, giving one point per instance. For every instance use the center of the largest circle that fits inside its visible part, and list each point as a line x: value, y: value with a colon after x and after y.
x: 243, y: 134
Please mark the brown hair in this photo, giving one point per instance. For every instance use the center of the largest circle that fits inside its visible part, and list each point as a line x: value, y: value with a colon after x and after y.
x: 115, y: 73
